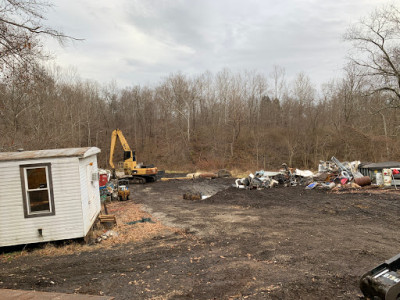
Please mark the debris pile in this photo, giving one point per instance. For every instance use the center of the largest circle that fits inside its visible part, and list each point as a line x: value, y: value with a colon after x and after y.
x: 258, y: 181
x: 334, y: 174
x: 108, y: 234
x: 269, y: 179
x: 331, y: 174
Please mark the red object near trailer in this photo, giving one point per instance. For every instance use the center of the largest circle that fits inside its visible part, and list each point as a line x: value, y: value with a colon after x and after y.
x: 103, y: 180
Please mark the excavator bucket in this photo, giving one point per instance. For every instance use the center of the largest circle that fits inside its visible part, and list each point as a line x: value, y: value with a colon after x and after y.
x: 382, y: 282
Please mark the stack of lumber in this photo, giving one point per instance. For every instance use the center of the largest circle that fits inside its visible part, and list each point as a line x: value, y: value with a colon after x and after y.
x: 107, y: 219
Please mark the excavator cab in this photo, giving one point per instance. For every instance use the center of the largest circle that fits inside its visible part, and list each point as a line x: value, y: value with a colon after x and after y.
x: 129, y: 161
x: 129, y: 154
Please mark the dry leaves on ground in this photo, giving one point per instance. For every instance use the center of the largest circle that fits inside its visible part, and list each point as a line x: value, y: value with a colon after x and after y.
x: 125, y: 212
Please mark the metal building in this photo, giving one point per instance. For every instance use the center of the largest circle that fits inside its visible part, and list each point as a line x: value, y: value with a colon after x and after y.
x: 371, y: 169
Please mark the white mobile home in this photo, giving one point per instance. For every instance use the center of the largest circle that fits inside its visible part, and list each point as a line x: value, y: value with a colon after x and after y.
x: 48, y: 195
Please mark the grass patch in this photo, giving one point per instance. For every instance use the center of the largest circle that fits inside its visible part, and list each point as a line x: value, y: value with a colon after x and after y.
x: 6, y: 257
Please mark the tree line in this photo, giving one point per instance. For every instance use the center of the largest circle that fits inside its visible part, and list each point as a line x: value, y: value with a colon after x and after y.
x: 225, y: 120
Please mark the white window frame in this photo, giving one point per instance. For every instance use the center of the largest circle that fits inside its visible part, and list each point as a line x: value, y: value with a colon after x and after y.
x: 25, y: 190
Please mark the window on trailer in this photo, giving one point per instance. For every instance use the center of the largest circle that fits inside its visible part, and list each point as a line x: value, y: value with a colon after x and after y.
x: 37, y: 190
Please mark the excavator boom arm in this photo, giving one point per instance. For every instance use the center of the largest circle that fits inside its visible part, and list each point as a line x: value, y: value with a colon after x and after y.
x: 117, y: 134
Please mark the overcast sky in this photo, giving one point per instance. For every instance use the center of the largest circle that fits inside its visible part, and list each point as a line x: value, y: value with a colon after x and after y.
x: 141, y: 42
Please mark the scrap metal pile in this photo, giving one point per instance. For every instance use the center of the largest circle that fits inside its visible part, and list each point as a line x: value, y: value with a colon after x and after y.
x: 331, y: 174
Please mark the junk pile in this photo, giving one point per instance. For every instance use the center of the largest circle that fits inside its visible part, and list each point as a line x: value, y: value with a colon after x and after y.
x: 108, y: 191
x: 331, y: 174
x: 268, y: 179
x: 260, y: 180
x: 334, y: 174
x: 115, y: 189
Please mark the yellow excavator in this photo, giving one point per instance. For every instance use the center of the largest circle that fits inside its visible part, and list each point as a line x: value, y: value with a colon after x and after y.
x: 137, y: 172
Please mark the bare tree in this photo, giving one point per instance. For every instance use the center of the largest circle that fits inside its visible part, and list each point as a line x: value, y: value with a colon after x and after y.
x: 279, y: 81
x: 21, y: 26
x: 179, y: 93
x: 376, y: 41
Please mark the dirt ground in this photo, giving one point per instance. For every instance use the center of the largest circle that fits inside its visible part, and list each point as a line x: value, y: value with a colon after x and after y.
x: 281, y: 243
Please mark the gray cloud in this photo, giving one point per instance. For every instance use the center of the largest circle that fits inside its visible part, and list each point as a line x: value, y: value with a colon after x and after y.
x: 142, y: 41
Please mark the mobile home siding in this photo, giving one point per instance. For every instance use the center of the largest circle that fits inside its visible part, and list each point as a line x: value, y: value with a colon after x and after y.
x: 67, y: 222
x: 90, y: 198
